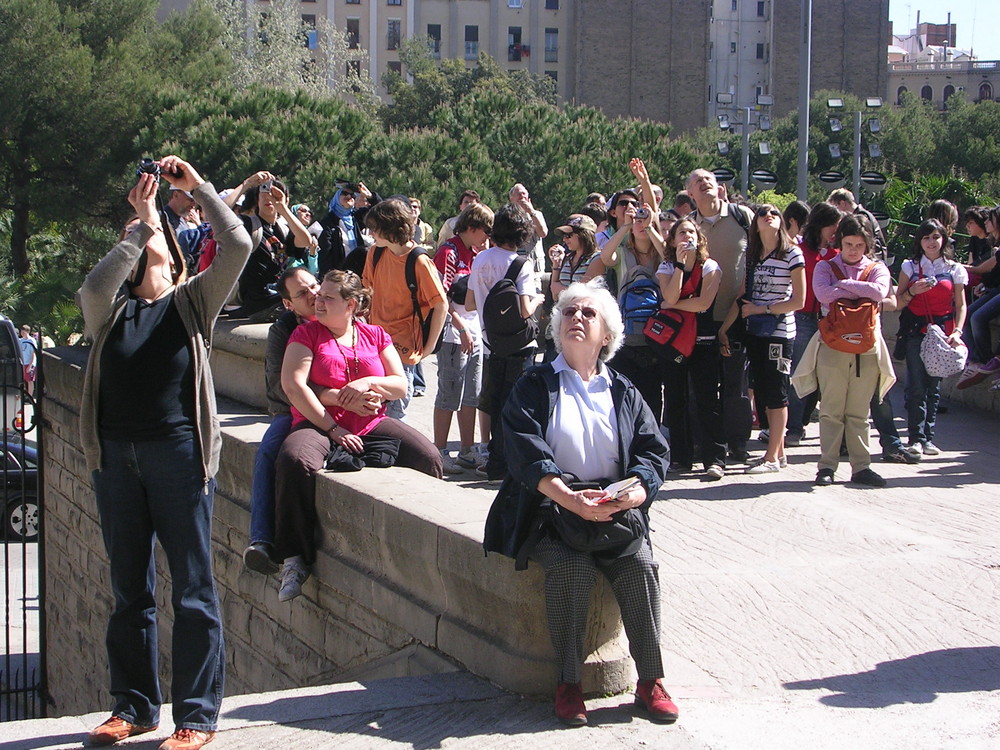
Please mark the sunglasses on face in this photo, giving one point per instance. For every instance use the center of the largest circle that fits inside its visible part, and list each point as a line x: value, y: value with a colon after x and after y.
x: 765, y: 212
x: 589, y: 313
x: 626, y: 204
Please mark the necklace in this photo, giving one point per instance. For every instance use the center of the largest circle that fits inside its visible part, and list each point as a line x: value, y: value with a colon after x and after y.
x: 347, y: 363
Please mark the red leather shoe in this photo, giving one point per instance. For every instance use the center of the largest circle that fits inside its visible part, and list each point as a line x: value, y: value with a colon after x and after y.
x: 114, y: 730
x: 650, y: 695
x: 187, y: 739
x: 570, y: 709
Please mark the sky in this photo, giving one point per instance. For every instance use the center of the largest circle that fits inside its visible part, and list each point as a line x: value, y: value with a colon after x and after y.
x: 976, y: 21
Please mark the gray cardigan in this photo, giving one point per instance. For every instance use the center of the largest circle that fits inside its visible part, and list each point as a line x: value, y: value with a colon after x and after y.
x: 199, y: 300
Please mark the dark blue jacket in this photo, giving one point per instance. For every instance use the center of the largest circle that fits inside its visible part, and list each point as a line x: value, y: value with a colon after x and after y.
x: 515, y: 513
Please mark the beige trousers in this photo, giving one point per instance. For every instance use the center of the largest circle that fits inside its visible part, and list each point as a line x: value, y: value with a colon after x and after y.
x: 845, y: 395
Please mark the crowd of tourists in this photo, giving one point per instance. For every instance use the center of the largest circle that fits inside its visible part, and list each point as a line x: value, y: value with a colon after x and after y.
x: 649, y: 338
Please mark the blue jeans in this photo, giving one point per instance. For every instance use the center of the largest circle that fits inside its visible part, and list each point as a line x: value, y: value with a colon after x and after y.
x: 262, y: 491
x: 977, y: 325
x: 923, y: 393
x: 882, y: 417
x: 799, y: 409
x: 148, y: 490
x: 397, y: 409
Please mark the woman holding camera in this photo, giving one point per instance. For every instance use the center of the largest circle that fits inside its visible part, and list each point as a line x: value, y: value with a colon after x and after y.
x: 154, y: 455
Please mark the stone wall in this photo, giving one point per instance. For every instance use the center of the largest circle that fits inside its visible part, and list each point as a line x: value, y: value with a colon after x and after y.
x: 401, y: 585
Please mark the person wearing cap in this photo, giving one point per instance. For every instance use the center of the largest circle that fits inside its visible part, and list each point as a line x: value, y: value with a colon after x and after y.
x: 178, y: 208
x: 579, y: 238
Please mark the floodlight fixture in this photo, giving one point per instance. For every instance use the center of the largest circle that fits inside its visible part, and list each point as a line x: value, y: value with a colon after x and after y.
x: 835, y: 103
x: 835, y: 150
x: 765, y: 122
x: 765, y: 100
x: 723, y: 148
x: 875, y: 125
x: 835, y: 125
x: 764, y: 147
x: 873, y: 102
x: 724, y: 122
x: 874, y: 151
x: 724, y: 98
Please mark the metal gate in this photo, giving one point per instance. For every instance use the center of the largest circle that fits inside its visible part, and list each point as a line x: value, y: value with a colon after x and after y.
x: 22, y: 669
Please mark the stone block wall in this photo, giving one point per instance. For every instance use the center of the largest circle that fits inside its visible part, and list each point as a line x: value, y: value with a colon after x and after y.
x: 401, y: 567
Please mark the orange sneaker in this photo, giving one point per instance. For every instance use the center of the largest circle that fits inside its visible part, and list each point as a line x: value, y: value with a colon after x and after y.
x: 187, y: 739
x: 114, y: 730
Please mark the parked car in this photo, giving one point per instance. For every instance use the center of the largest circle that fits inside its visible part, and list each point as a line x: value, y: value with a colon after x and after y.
x: 20, y: 488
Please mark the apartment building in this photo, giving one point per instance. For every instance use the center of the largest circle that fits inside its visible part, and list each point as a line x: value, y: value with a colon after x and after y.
x: 666, y: 60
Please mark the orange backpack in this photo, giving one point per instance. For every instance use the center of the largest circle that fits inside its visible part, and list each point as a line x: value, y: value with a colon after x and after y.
x: 850, y: 325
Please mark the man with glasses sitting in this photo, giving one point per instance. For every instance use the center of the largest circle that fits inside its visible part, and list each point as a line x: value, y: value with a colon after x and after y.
x: 298, y: 289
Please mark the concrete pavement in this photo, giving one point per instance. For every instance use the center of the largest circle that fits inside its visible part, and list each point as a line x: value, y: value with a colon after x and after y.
x: 794, y: 617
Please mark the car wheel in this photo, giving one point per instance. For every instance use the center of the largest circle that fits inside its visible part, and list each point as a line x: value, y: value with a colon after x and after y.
x: 21, y: 519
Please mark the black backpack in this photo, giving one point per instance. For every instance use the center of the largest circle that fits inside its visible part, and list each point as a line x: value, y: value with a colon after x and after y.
x: 507, y: 332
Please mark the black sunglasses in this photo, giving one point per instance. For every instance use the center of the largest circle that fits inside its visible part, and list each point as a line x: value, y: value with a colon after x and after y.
x: 768, y: 212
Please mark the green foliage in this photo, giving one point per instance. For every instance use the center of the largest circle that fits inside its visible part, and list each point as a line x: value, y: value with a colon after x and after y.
x: 445, y: 84
x: 78, y: 79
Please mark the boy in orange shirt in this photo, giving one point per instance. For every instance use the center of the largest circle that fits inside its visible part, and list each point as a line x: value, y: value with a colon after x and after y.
x: 391, y: 223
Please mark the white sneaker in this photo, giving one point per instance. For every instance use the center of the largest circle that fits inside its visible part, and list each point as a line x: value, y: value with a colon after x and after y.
x: 930, y: 449
x: 915, y: 449
x: 765, y: 467
x: 782, y: 462
x: 715, y: 472
x: 293, y: 575
x: 448, y: 465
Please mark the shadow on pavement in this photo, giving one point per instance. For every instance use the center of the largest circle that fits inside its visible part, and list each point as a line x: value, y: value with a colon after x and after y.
x: 915, y: 679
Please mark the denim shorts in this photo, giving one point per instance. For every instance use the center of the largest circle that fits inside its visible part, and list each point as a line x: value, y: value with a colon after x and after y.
x: 460, y: 377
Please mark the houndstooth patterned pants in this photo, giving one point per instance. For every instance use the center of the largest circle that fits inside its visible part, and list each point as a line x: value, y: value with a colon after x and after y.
x: 569, y: 578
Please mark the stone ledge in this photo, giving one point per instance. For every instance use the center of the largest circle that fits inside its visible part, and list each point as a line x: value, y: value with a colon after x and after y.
x: 401, y: 565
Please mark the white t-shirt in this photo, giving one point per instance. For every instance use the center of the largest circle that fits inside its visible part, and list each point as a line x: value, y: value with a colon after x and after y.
x: 937, y: 268
x: 488, y: 268
x: 667, y: 268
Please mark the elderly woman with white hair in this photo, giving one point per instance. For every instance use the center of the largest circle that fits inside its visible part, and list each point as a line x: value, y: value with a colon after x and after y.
x: 585, y: 459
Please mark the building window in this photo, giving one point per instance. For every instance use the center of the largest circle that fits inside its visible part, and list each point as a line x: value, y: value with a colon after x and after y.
x: 353, y: 32
x: 312, y: 39
x: 471, y: 42
x: 760, y: 8
x: 354, y: 2
x: 434, y: 32
x: 513, y: 44
x: 551, y: 4
x: 899, y: 94
x: 395, y: 2
x: 949, y: 90
x: 513, y: 3
x: 553, y: 74
x: 396, y: 67
x: 711, y: 50
x: 393, y: 33
x: 985, y: 92
x: 927, y: 93
x: 354, y: 68
x: 732, y: 48
x: 551, y: 45
x: 734, y: 6
x: 762, y: 50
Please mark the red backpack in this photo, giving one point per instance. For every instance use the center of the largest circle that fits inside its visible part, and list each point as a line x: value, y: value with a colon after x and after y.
x: 850, y: 325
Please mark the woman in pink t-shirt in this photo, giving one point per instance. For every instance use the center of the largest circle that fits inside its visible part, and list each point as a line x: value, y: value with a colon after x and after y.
x: 338, y: 372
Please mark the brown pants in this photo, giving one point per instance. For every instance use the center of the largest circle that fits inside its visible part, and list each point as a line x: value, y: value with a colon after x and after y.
x: 302, y: 455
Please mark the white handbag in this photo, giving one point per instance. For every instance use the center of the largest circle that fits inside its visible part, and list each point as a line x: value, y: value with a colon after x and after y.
x: 940, y: 358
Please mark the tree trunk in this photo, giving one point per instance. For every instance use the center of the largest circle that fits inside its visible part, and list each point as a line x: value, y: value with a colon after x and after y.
x: 19, y: 225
